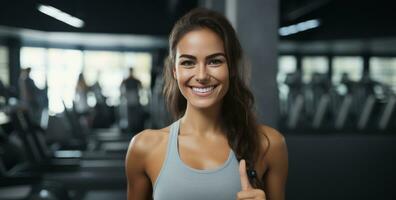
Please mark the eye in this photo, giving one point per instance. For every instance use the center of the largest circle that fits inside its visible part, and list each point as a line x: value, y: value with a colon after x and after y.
x: 215, y: 61
x: 187, y: 63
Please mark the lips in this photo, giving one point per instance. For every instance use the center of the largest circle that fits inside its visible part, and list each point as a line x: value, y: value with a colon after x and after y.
x: 203, y: 91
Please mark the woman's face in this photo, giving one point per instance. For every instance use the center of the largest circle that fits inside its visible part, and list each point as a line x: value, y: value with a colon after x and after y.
x: 201, y: 68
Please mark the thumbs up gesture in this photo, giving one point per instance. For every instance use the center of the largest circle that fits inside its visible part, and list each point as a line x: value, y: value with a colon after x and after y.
x: 248, y: 192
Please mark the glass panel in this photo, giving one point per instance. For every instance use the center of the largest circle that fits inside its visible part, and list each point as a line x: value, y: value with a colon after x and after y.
x: 351, y: 65
x: 110, y: 68
x: 106, y: 67
x: 141, y: 63
x: 384, y: 70
x: 287, y: 64
x: 64, y: 67
x: 35, y: 58
x: 314, y: 64
x: 4, y: 69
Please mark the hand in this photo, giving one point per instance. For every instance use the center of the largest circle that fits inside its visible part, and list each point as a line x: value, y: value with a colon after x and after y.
x: 248, y: 192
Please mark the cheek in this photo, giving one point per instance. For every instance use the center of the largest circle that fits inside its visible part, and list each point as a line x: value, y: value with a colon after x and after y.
x: 182, y: 75
x: 223, y: 75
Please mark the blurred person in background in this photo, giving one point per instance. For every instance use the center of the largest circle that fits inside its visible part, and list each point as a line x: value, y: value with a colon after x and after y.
x: 130, y: 104
x: 31, y: 96
x: 81, y: 95
x: 80, y: 101
x: 215, y: 149
x: 103, y: 116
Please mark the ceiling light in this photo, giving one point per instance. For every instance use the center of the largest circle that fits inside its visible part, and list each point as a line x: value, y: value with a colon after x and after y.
x: 296, y: 28
x: 61, y: 16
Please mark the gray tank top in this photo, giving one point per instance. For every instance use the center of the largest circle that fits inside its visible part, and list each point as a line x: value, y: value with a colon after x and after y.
x: 177, y: 181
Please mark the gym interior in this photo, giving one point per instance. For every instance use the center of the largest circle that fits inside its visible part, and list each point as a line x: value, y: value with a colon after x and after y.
x: 78, y: 79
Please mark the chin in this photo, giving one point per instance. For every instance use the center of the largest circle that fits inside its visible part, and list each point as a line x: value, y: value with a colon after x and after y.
x: 204, y: 104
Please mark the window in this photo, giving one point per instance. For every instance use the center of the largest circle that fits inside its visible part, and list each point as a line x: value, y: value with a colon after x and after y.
x: 314, y: 64
x: 110, y: 68
x: 36, y: 59
x: 106, y: 67
x: 351, y: 65
x: 384, y: 70
x: 64, y: 66
x: 4, y: 69
x: 141, y: 62
x: 286, y: 64
x: 60, y: 68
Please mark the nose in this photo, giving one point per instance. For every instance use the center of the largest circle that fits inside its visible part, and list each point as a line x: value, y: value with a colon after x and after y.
x: 202, y: 75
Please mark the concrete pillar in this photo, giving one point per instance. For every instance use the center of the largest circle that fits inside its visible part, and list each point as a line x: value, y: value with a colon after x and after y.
x: 256, y: 23
x: 257, y: 27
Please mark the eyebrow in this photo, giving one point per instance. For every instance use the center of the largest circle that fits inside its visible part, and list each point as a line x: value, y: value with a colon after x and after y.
x: 207, y: 57
x: 215, y: 55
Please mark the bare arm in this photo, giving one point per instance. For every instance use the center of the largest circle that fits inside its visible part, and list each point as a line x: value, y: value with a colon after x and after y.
x: 276, y: 176
x: 139, y: 184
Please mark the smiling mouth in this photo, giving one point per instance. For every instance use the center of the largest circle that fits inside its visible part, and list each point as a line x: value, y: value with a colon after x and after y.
x: 203, y: 90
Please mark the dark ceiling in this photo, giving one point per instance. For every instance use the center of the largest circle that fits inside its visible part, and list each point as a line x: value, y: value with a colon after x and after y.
x: 340, y: 19
x: 146, y: 17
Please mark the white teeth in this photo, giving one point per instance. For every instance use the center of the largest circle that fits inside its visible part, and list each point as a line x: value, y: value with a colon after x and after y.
x: 202, y: 90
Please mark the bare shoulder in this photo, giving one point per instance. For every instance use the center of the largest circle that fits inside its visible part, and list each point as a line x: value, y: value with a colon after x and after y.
x: 274, y: 136
x: 273, y: 142
x: 140, y: 148
x: 276, y: 162
x: 143, y: 143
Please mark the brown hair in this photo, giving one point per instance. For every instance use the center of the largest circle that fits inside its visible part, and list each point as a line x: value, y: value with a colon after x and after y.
x: 238, y: 120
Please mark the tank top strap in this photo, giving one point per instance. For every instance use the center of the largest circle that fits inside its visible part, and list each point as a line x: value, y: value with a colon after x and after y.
x: 171, y: 152
x: 172, y: 142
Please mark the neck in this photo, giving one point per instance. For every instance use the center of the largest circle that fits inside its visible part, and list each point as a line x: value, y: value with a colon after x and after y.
x: 202, y: 122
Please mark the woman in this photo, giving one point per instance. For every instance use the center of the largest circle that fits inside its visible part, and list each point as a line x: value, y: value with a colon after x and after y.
x: 205, y: 153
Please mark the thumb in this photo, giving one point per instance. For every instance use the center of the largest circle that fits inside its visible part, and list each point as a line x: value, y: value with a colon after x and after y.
x: 243, y: 175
